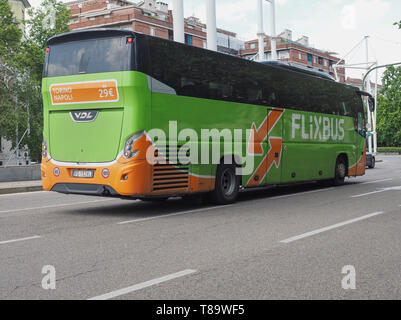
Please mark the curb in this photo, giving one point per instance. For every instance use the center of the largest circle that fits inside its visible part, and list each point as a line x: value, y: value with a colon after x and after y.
x: 20, y: 189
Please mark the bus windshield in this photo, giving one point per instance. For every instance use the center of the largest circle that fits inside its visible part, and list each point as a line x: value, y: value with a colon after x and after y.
x: 88, y: 56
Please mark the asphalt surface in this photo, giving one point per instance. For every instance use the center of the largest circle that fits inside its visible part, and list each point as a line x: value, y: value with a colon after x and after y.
x: 283, y: 243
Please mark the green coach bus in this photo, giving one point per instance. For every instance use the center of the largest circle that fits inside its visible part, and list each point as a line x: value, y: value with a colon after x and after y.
x: 105, y: 91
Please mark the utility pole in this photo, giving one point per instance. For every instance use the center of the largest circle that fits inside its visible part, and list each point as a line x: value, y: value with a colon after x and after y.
x: 211, y: 25
x: 273, y: 29
x: 369, y: 89
x: 178, y: 21
x: 261, y: 33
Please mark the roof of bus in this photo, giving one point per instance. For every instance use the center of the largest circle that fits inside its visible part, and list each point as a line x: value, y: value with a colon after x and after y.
x: 297, y: 67
x: 83, y: 34
x: 107, y: 32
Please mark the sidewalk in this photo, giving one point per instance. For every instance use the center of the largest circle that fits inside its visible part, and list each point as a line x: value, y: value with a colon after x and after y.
x: 20, y: 186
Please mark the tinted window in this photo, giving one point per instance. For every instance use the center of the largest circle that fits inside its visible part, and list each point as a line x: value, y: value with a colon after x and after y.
x: 205, y: 74
x: 88, y: 56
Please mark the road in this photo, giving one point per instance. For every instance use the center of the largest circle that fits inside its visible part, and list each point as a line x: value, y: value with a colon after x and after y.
x: 283, y: 243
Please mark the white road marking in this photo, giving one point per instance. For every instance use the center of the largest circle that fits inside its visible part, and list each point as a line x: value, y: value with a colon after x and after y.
x: 335, y: 226
x: 56, y: 206
x: 376, y: 181
x: 300, y: 193
x: 172, y: 214
x: 398, y: 188
x: 367, y: 194
x: 22, y: 193
x: 143, y: 285
x: 21, y: 239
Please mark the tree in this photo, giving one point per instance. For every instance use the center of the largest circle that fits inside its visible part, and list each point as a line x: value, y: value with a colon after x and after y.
x: 398, y: 24
x: 21, y: 101
x: 10, y: 33
x: 389, y: 109
x: 49, y: 20
x: 10, y: 38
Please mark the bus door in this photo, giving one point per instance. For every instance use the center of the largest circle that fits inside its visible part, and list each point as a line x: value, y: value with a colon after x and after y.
x: 274, y: 146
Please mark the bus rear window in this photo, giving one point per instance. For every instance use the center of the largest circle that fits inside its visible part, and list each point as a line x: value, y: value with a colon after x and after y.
x: 89, y: 56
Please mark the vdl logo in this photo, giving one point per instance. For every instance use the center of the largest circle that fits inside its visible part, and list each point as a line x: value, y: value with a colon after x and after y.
x: 84, y: 116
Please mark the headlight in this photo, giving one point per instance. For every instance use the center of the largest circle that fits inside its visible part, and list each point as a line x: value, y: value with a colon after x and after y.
x: 44, y: 148
x: 129, y: 151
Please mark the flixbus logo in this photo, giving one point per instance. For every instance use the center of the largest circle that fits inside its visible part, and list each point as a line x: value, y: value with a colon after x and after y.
x: 317, y: 127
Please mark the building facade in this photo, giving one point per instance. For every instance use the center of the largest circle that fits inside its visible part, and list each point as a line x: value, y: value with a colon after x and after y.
x: 149, y: 17
x: 297, y: 52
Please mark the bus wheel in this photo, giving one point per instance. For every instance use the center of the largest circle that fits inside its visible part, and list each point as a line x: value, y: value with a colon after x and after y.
x: 227, y: 185
x: 373, y: 163
x: 341, y: 172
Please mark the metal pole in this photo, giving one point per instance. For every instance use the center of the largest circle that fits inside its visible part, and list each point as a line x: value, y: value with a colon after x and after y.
x: 369, y: 90
x: 211, y: 25
x: 375, y: 116
x: 273, y: 29
x: 178, y: 21
x: 261, y: 33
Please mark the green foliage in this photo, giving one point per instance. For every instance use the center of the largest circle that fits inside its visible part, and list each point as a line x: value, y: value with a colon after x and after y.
x: 49, y: 20
x: 389, y: 109
x: 10, y: 32
x: 398, y: 24
x: 389, y: 150
x: 21, y: 70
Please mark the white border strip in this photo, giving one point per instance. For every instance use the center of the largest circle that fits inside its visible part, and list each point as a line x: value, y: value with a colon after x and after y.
x: 335, y: 226
x: 143, y: 285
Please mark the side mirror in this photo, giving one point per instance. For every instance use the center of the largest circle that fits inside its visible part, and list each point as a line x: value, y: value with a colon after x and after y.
x: 371, y: 104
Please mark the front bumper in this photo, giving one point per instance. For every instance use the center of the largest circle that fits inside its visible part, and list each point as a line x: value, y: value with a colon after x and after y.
x: 125, y: 179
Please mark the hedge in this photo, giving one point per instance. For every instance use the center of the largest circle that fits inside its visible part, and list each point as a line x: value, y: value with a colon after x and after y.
x: 389, y: 150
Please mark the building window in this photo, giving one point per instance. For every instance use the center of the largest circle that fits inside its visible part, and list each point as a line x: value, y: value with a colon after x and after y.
x: 170, y: 35
x: 315, y: 60
x: 253, y: 45
x: 309, y: 57
x: 320, y: 60
x: 153, y: 32
x: 283, y: 54
x: 188, y: 39
x: 325, y: 62
x: 300, y: 56
x: 204, y: 44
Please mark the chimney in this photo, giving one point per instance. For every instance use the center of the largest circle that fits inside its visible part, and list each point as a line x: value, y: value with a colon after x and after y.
x: 304, y: 41
x: 286, y: 34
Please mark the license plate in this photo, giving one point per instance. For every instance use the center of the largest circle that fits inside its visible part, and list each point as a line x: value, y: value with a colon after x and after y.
x: 82, y: 173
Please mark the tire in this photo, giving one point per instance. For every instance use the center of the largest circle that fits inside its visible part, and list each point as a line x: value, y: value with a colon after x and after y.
x: 373, y: 163
x: 341, y: 172
x: 226, y: 186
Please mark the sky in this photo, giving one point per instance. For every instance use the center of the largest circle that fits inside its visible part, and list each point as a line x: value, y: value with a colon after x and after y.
x: 332, y: 25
